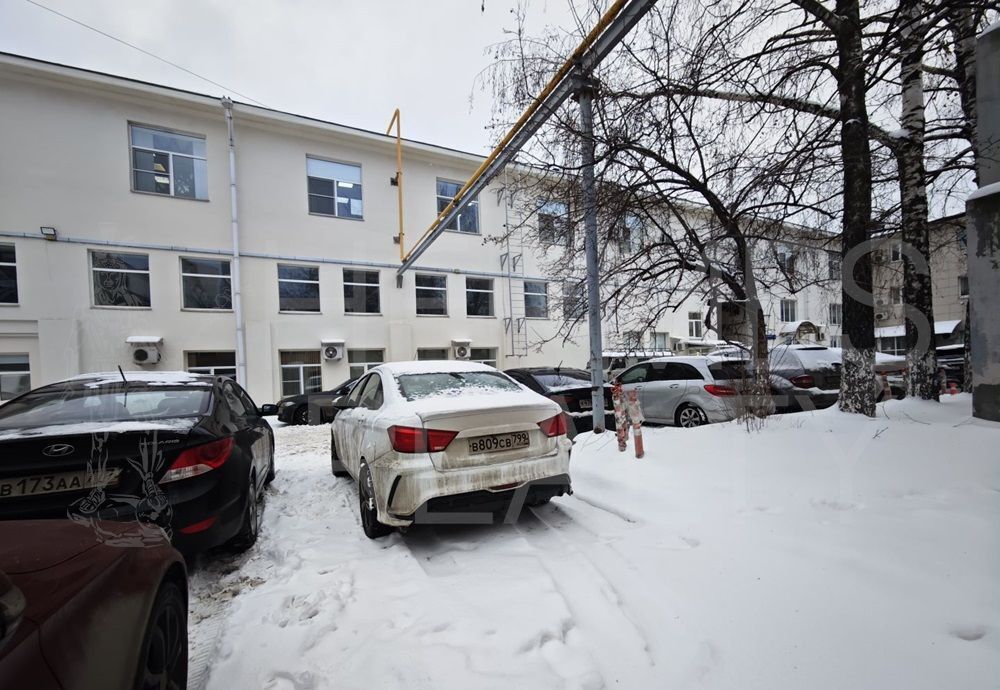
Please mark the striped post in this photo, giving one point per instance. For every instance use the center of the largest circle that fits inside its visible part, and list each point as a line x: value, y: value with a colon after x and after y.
x: 621, y: 420
x: 635, y: 414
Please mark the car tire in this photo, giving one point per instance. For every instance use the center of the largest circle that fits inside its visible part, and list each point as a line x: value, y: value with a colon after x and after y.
x: 366, y: 505
x: 689, y: 416
x: 336, y: 466
x: 301, y: 415
x: 271, y: 472
x: 163, y: 657
x: 252, y: 516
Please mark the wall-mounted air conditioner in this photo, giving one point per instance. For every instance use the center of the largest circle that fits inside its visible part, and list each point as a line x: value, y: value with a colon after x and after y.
x: 462, y: 348
x: 333, y: 350
x: 145, y: 349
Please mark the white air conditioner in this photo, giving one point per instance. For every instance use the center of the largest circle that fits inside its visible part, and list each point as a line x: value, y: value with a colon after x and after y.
x: 145, y: 348
x: 333, y: 350
x: 881, y: 316
x: 462, y: 348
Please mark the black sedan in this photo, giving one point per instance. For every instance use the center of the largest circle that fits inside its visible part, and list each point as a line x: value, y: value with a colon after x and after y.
x: 571, y: 389
x: 312, y: 408
x: 183, y: 453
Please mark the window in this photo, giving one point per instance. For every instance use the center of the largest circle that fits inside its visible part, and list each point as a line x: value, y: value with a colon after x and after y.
x: 468, y: 219
x: 553, y: 222
x: 168, y: 163
x: 536, y: 300
x: 426, y: 353
x: 120, y: 280
x: 206, y: 284
x: 15, y: 376
x: 895, y: 345
x: 836, y: 317
x: 432, y: 295
x: 695, y: 326
x: 896, y: 251
x: 835, y: 340
x: 334, y: 188
x: 298, y: 288
x: 963, y: 286
x: 630, y: 240
x: 212, y: 363
x: 483, y: 355
x: 660, y: 341
x: 632, y: 340
x: 833, y: 266
x: 786, y: 259
x: 8, y: 274
x: 361, y: 361
x: 372, y: 396
x: 479, y: 296
x: 896, y: 295
x: 300, y: 372
x: 636, y: 374
x: 674, y: 371
x: 789, y: 310
x: 235, y: 400
x: 574, y: 301
x: 361, y: 292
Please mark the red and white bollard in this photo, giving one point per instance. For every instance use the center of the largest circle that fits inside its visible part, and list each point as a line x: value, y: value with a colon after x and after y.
x: 621, y: 420
x: 635, y: 414
x: 886, y: 389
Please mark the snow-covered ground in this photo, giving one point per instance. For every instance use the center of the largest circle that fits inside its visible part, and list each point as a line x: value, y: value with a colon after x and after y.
x: 824, y: 551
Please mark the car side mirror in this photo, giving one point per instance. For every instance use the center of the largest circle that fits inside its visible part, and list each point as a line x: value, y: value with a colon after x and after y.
x: 344, y: 404
x: 268, y: 410
x: 12, y: 605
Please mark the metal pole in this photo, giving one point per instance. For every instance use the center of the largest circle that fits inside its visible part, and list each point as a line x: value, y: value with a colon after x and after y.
x: 589, y: 198
x: 237, y: 292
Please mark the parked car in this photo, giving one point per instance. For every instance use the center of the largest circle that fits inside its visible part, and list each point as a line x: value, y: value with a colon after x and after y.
x: 312, y: 408
x: 76, y: 612
x: 188, y: 453
x: 685, y: 391
x: 615, y: 363
x: 570, y: 388
x: 426, y: 438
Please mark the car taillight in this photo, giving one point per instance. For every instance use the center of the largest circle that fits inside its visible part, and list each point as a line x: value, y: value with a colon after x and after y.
x: 409, y: 439
x: 553, y: 426
x: 199, y: 460
x: 722, y: 391
x: 805, y: 381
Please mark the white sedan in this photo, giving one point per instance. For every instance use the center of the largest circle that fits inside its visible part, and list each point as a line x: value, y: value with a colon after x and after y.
x: 427, y: 439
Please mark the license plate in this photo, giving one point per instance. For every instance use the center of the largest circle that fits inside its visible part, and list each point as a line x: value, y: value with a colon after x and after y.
x: 486, y: 444
x: 55, y: 483
x: 586, y: 404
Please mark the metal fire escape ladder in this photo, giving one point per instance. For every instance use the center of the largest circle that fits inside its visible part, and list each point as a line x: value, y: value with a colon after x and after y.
x: 515, y: 324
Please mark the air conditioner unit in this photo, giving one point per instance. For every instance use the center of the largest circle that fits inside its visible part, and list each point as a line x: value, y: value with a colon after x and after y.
x: 145, y: 349
x: 462, y: 348
x: 881, y: 316
x: 333, y: 350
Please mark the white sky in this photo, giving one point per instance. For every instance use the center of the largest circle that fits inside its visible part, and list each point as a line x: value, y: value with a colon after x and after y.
x: 349, y: 61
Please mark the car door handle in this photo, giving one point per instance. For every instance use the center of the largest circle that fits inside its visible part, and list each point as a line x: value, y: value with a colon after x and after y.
x: 675, y: 385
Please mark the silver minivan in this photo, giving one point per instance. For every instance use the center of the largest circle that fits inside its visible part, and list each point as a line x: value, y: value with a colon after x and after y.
x: 685, y: 391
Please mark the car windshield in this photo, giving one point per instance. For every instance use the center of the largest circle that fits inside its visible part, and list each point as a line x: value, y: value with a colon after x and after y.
x: 564, y: 378
x: 44, y: 407
x: 417, y: 386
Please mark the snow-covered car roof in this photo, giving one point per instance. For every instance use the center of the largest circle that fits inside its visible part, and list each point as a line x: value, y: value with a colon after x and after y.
x: 437, y: 366
x: 153, y: 378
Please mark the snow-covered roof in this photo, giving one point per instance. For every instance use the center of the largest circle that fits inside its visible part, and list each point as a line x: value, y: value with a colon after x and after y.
x: 636, y: 353
x: 794, y: 326
x: 940, y: 328
x: 706, y: 342
x: 155, y: 378
x: 144, y: 340
x: 434, y: 366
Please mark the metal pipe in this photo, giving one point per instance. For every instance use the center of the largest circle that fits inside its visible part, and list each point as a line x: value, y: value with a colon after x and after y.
x: 588, y: 196
x: 399, y: 176
x: 237, y: 292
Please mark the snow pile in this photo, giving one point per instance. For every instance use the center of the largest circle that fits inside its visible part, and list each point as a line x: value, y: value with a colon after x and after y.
x: 825, y: 551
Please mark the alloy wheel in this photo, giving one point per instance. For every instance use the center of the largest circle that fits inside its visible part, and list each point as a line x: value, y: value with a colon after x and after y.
x: 162, y: 665
x: 691, y: 417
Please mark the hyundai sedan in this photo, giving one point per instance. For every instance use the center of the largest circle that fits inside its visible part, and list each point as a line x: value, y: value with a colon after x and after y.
x: 427, y: 439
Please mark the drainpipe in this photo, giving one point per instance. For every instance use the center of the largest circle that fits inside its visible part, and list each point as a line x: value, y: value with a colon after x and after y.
x: 237, y: 290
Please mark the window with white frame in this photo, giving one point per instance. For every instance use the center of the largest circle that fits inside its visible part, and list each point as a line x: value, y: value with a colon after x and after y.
x: 660, y: 341
x: 468, y: 220
x: 212, y: 363
x: 168, y: 163
x: 789, y: 310
x: 483, y: 355
x: 553, y: 222
x: 695, y: 325
x: 8, y: 274
x: 894, y: 345
x: 431, y: 353
x: 15, y: 376
x: 206, y: 284
x: 833, y: 266
x: 360, y: 361
x: 896, y: 295
x: 963, y: 286
x: 835, y: 340
x: 120, y: 279
x: 536, y: 299
x: 632, y: 340
x: 574, y: 298
x: 300, y: 372
x: 361, y: 292
x: 298, y: 288
x: 432, y: 294
x: 479, y: 296
x: 786, y: 258
x: 896, y: 251
x: 334, y: 188
x: 836, y: 317
x: 630, y: 240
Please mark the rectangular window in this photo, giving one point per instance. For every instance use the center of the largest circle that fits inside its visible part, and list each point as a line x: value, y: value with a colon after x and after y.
x: 483, y: 355
x: 895, y: 345
x: 661, y: 341
x: 835, y: 314
x: 833, y: 266
x: 432, y: 295
x: 896, y: 295
x: 334, y: 188
x: 786, y: 259
x: 536, y: 299
x: 468, y: 219
x: 425, y: 353
x: 632, y: 340
x: 479, y: 296
x: 896, y: 251
x: 695, y: 324
x: 120, y: 280
x: 15, y: 376
x: 361, y: 292
x: 168, y: 163
x: 553, y: 223
x: 206, y: 284
x: 630, y: 241
x: 963, y: 286
x: 574, y: 301
x: 212, y: 363
x: 8, y: 274
x: 300, y: 372
x: 298, y: 288
x: 361, y: 361
x: 835, y: 340
x: 789, y: 310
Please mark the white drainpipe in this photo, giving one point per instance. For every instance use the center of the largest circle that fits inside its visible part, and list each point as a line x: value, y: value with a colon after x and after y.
x: 237, y: 290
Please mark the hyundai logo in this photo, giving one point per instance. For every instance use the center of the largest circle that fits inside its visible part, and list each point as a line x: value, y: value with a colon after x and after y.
x: 57, y: 450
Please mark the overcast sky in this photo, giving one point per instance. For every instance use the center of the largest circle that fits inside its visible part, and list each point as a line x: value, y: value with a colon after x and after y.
x: 349, y: 61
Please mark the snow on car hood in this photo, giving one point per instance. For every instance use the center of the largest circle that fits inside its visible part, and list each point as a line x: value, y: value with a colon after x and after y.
x: 475, y: 401
x: 173, y: 424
